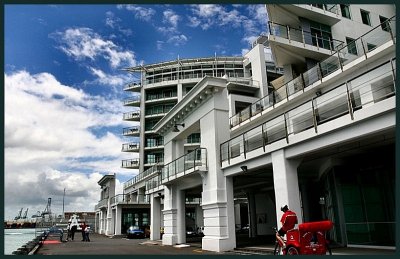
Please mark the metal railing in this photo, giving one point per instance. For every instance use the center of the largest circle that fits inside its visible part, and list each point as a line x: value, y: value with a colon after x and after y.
x: 132, y: 115
x: 102, y: 203
x: 130, y: 163
x: 333, y: 8
x: 153, y: 182
x: 371, y: 87
x: 129, y: 199
x: 342, y: 57
x: 130, y: 146
x: 151, y: 171
x: 134, y: 99
x: 131, y: 131
x: 185, y: 163
x: 133, y: 85
x: 160, y: 96
x: 305, y: 37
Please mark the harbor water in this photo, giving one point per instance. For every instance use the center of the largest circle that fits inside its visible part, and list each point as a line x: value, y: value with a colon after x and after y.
x: 15, y: 238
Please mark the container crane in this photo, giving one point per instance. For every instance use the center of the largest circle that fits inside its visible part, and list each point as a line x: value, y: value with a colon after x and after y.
x: 19, y: 214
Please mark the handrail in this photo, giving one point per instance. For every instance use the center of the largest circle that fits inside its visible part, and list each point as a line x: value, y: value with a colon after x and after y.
x: 130, y: 146
x: 130, y: 130
x: 131, y: 115
x: 154, y: 169
x: 127, y: 163
x: 344, y: 99
x: 135, y: 98
x: 324, y: 68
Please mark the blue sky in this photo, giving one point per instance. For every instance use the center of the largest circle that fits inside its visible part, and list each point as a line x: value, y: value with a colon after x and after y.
x: 63, y: 87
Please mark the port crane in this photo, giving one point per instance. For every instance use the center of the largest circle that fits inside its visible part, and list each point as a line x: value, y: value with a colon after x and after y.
x: 19, y: 214
x: 47, y: 210
x: 25, y: 214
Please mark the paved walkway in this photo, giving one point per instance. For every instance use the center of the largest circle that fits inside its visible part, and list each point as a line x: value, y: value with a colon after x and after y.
x: 119, y: 245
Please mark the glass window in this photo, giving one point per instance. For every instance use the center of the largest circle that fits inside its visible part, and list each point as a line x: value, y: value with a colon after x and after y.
x: 365, y: 17
x: 384, y: 23
x: 351, y: 46
x: 345, y: 9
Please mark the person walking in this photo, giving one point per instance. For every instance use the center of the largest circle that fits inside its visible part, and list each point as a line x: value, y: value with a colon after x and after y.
x: 87, y: 231
x: 73, y: 230
x: 83, y: 227
x: 69, y: 231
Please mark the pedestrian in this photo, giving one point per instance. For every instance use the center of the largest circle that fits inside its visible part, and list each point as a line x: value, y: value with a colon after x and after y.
x: 69, y: 231
x: 288, y: 220
x: 83, y: 227
x: 73, y: 230
x: 87, y: 231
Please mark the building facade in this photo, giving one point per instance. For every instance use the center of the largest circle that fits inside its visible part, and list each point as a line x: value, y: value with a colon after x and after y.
x: 242, y: 137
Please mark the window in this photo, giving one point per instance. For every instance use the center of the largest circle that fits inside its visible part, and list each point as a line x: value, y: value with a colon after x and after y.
x: 370, y: 46
x: 351, y: 46
x: 384, y: 23
x: 365, y: 17
x: 345, y: 10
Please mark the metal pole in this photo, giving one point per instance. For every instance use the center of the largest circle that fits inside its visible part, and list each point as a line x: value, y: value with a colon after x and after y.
x: 63, y: 204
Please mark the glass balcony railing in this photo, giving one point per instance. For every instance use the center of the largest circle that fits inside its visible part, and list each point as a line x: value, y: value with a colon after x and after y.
x: 132, y: 101
x: 130, y: 163
x: 129, y: 147
x: 131, y: 131
x: 305, y: 37
x: 132, y: 115
x: 134, y: 86
x: 129, y: 199
x: 153, y: 182
x: 343, y: 56
x: 185, y: 164
x: 357, y: 93
x: 151, y: 171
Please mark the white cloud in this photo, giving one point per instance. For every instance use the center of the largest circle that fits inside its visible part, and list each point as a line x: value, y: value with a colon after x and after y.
x: 114, y: 22
x: 83, y: 43
x: 178, y: 40
x: 50, y: 143
x: 108, y: 79
x: 140, y: 13
x: 160, y: 44
x: 171, y: 17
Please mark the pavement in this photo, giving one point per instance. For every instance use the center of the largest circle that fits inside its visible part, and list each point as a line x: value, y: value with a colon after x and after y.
x: 120, y: 245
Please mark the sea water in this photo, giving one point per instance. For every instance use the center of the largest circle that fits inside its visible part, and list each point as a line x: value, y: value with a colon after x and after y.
x: 15, y: 238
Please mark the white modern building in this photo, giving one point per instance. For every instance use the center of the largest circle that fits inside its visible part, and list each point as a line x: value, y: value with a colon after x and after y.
x: 241, y: 137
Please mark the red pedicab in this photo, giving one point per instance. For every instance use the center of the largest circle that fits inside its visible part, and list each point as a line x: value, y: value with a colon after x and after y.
x: 308, y: 238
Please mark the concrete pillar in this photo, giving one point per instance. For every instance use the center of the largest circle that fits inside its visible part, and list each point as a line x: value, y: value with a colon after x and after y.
x: 181, y: 221
x: 155, y: 212
x: 170, y: 236
x: 179, y: 92
x: 218, y: 211
x: 286, y: 184
x: 118, y: 220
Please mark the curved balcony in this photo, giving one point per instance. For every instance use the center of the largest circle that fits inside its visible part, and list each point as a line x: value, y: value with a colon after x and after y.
x: 130, y: 147
x: 131, y: 131
x: 133, y: 87
x: 130, y: 163
x: 132, y: 116
x: 133, y: 101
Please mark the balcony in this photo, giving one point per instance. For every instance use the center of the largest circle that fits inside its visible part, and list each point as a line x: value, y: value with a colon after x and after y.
x: 132, y: 116
x: 294, y: 43
x: 133, y: 87
x: 102, y: 204
x: 130, y: 147
x: 130, y: 163
x: 154, y: 184
x: 128, y: 199
x: 347, y: 103
x: 162, y: 97
x: 187, y: 164
x: 131, y: 131
x: 154, y: 162
x: 134, y: 101
x: 328, y: 14
x: 364, y: 47
x: 242, y: 84
x: 143, y: 176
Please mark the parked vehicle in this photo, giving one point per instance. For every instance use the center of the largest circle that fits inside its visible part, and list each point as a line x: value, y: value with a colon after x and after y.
x: 135, y: 232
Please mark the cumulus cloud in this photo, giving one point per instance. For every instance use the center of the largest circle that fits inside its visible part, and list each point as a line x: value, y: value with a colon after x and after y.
x: 178, y: 40
x: 139, y: 12
x: 50, y: 143
x: 114, y: 22
x: 84, y: 43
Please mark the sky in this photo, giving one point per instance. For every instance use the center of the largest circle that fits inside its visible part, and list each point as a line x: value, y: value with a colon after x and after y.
x: 63, y: 73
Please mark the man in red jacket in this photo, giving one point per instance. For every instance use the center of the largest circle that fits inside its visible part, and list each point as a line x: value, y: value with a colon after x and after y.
x: 288, y: 220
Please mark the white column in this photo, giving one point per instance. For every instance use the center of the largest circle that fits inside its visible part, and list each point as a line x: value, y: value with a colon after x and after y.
x: 170, y: 236
x: 118, y: 220
x: 286, y: 184
x: 181, y: 222
x: 217, y: 209
x: 252, y: 214
x: 155, y: 212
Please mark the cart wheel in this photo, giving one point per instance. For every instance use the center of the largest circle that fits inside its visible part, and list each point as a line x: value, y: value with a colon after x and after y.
x: 292, y: 251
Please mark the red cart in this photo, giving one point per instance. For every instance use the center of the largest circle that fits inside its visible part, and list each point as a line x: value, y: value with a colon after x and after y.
x: 308, y: 239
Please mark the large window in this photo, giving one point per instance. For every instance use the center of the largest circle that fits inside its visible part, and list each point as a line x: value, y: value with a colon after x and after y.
x: 384, y: 23
x: 321, y: 35
x: 345, y: 10
x: 365, y: 17
x: 351, y: 46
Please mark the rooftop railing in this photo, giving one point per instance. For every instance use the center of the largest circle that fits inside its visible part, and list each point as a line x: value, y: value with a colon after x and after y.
x: 357, y: 93
x: 184, y: 164
x: 365, y: 44
x: 131, y: 131
x: 151, y: 171
x: 305, y: 37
